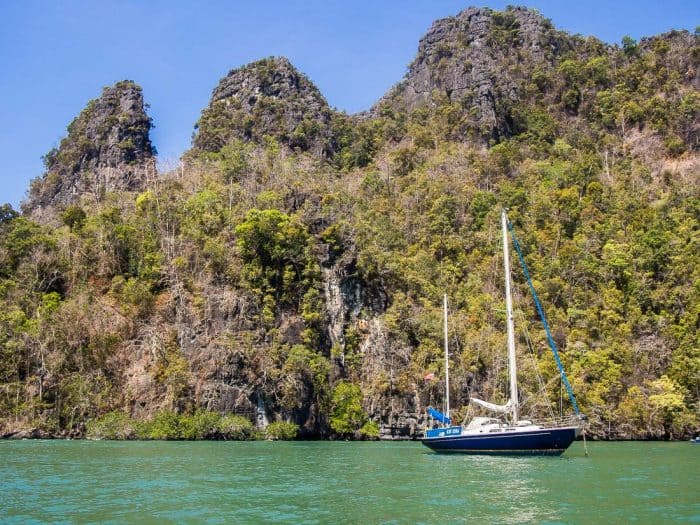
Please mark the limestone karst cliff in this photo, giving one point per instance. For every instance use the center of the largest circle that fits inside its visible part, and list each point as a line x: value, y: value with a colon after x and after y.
x: 292, y: 269
x: 107, y: 149
x: 266, y: 98
x: 483, y: 60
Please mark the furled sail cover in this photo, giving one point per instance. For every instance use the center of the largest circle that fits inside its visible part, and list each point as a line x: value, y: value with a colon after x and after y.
x: 442, y: 418
x: 501, y: 409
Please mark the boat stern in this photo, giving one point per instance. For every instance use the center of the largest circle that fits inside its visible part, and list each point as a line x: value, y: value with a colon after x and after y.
x: 442, y: 432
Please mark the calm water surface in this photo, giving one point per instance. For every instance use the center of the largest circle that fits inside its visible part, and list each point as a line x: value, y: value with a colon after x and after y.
x: 342, y: 482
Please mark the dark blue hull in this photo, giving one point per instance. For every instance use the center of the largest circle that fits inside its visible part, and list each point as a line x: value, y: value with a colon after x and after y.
x: 544, y: 442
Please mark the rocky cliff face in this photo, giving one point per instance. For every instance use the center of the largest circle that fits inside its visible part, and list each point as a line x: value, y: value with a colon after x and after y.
x: 481, y: 60
x: 268, y: 97
x: 491, y: 68
x: 107, y: 148
x: 264, y: 292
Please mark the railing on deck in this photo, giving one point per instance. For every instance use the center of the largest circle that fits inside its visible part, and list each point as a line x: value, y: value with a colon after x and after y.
x: 565, y: 421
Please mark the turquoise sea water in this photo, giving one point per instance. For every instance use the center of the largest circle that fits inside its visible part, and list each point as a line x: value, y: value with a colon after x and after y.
x: 342, y: 482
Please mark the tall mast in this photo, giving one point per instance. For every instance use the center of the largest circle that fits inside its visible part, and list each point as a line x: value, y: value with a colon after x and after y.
x: 447, y: 361
x: 513, y: 372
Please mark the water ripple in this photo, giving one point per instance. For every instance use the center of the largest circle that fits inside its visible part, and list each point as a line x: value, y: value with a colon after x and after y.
x: 341, y: 482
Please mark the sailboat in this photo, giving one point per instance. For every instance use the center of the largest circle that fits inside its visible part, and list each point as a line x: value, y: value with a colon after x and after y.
x: 508, y: 432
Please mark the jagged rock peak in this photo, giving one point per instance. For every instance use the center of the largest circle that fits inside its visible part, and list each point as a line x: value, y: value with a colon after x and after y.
x: 108, y: 148
x: 274, y: 77
x: 266, y: 97
x: 479, y: 58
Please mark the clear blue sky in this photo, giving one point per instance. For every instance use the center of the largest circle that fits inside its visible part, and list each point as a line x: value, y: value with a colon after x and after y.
x: 56, y: 55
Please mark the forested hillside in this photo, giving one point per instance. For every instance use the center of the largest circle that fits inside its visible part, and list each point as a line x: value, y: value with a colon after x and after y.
x: 291, y: 269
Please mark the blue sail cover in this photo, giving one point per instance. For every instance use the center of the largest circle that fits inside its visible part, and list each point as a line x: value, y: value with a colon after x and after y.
x: 442, y: 418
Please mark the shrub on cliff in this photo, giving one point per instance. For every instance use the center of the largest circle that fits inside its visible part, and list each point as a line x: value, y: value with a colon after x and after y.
x: 236, y: 428
x: 281, y: 431
x: 113, y: 425
x: 370, y: 430
x: 165, y: 425
x: 347, y: 416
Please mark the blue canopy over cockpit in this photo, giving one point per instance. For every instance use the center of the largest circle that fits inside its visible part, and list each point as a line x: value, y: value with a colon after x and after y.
x: 442, y: 418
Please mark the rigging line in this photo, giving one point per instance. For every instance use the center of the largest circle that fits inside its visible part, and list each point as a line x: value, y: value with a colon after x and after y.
x: 540, y: 311
x: 530, y: 346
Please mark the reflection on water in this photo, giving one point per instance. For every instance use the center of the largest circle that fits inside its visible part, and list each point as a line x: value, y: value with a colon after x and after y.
x: 340, y: 482
x: 500, y: 489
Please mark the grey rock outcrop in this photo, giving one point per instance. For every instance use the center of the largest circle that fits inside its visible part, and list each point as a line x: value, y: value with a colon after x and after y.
x: 269, y: 97
x: 108, y: 148
x: 480, y: 59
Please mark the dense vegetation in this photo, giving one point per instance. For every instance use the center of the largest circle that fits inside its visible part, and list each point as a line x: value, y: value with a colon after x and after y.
x: 170, y: 425
x: 222, y: 272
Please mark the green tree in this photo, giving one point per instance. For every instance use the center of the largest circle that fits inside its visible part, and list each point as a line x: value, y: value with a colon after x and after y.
x: 347, y: 416
x: 273, y: 246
